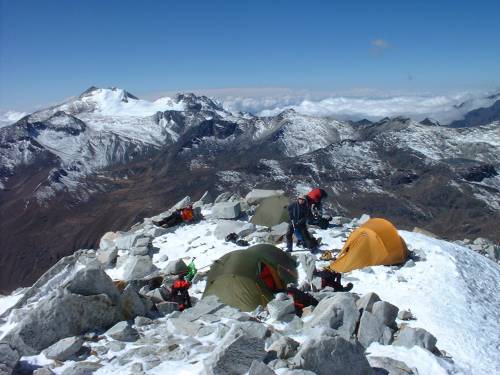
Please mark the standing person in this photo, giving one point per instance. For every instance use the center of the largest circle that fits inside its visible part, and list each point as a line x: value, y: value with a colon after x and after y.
x: 299, y: 212
x: 314, y: 198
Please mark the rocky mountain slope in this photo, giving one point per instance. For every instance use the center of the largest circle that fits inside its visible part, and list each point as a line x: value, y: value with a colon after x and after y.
x: 105, y: 159
x: 434, y: 314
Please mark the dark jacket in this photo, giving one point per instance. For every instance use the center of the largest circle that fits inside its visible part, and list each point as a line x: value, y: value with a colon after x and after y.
x: 299, y: 213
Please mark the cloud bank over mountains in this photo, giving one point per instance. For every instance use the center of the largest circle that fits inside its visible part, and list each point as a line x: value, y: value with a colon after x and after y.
x: 443, y: 108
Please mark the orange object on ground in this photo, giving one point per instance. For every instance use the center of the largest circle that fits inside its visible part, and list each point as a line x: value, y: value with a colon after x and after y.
x: 315, y: 195
x: 187, y: 214
x: 376, y: 242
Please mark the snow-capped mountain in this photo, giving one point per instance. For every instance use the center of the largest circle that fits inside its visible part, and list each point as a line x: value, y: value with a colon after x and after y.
x: 105, y: 159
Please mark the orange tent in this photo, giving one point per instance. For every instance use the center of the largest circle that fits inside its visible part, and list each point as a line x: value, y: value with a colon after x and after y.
x: 376, y: 242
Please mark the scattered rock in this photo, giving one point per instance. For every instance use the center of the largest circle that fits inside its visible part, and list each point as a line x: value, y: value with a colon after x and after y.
x: 386, y: 312
x: 241, y: 228
x: 107, y: 257
x: 64, y: 349
x: 43, y: 371
x: 366, y: 301
x: 308, y: 262
x: 183, y: 327
x: 409, y: 337
x: 259, y: 368
x: 226, y: 210
x: 141, y: 321
x: 137, y: 267
x: 82, y: 368
x: 285, y: 347
x: 389, y: 366
x: 122, y: 331
x: 165, y: 308
x: 281, y: 310
x: 224, y: 197
x: 405, y: 315
x: 338, y: 312
x: 332, y: 355
x: 175, y: 267
x: 372, y: 329
x: 255, y: 196
x: 207, y: 305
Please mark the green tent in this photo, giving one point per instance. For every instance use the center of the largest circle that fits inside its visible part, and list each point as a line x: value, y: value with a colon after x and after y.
x: 236, y: 279
x: 272, y: 211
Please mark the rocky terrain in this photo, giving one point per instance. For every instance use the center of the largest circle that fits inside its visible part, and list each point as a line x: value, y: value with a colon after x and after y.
x: 105, y: 159
x: 77, y: 318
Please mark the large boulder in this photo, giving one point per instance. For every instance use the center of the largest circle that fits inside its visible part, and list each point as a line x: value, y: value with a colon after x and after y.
x: 332, y: 355
x: 285, y: 347
x: 372, y: 329
x: 207, y: 305
x: 409, y: 337
x: 255, y: 196
x: 282, y: 310
x: 62, y: 315
x: 175, y: 267
x: 308, y: 263
x: 338, y: 312
x: 226, y: 210
x: 92, y: 281
x: 386, y: 312
x: 137, y: 267
x: 64, y: 349
x: 107, y: 257
x: 259, y: 368
x: 366, y: 301
x: 132, y: 304
x: 235, y: 354
x: 123, y: 331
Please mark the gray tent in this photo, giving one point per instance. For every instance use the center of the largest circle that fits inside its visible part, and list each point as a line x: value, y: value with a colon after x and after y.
x: 272, y: 211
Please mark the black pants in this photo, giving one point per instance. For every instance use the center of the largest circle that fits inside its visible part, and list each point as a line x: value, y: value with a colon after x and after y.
x: 309, y: 240
x: 171, y: 221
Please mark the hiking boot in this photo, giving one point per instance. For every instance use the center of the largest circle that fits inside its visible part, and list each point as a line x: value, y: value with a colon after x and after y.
x: 300, y: 243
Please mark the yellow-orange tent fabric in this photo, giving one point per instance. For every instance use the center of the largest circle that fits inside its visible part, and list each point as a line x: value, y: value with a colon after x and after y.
x: 376, y: 242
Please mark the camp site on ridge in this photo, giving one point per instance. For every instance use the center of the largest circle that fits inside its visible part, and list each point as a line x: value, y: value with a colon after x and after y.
x: 412, y: 315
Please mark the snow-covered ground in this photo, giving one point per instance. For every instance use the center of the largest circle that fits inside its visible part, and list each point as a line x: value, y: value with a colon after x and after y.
x: 452, y: 291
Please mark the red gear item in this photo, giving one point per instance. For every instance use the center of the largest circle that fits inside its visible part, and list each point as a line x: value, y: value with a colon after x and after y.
x: 181, y: 284
x: 315, y: 195
x: 187, y: 214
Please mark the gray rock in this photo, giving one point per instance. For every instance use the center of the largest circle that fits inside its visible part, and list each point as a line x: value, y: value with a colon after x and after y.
x: 340, y: 220
x: 363, y: 219
x: 259, y: 368
x: 226, y: 210
x: 165, y: 308
x: 386, y: 312
x: 61, y: 316
x: 253, y: 329
x: 206, y: 198
x: 132, y: 304
x: 482, y: 241
x: 8, y: 358
x: 175, y: 267
x: 141, y: 321
x: 116, y: 346
x: 93, y: 281
x: 281, y: 310
x: 43, y: 371
x: 241, y: 228
x: 371, y: 329
x: 493, y: 252
x: 123, y: 331
x: 224, y: 197
x: 232, y: 313
x: 82, y: 368
x: 64, y: 349
x: 405, y: 315
x: 107, y: 257
x: 410, y: 263
x: 206, y: 330
x: 141, y: 250
x: 207, y: 305
x: 108, y: 240
x: 183, y: 327
x: 332, y: 355
x: 157, y: 295
x: 285, y: 347
x: 389, y: 366
x: 256, y: 196
x: 366, y: 301
x: 338, y: 312
x: 235, y: 354
x: 409, y: 337
x: 137, y: 267
x: 126, y: 240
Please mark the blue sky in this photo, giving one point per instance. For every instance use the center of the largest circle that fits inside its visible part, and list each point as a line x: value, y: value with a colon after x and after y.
x: 50, y: 50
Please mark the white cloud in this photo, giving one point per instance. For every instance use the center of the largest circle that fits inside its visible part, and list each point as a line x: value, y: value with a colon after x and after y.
x: 443, y: 108
x: 380, y: 43
x: 10, y: 117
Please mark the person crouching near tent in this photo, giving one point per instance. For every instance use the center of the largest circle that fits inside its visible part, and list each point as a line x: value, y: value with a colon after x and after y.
x: 315, y: 200
x: 299, y: 213
x: 179, y: 292
x: 182, y: 215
